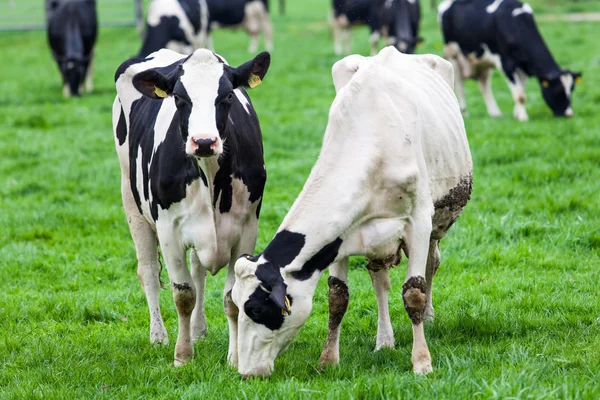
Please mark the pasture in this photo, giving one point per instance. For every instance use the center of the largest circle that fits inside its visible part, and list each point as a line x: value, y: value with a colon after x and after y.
x: 516, y: 296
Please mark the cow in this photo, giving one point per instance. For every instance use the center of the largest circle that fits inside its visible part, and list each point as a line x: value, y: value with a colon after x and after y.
x: 72, y: 29
x: 400, y: 191
x: 252, y: 15
x: 397, y: 20
x: 192, y: 177
x: 185, y: 25
x: 485, y: 34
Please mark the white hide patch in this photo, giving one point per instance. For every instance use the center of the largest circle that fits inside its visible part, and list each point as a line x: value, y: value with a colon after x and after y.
x: 525, y: 9
x: 202, y: 72
x: 494, y: 6
x: 442, y: 8
x: 567, y: 82
x: 169, y: 8
x: 242, y: 99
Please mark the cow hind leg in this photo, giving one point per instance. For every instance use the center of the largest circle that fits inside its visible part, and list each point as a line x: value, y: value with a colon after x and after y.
x: 148, y: 271
x: 485, y: 85
x: 433, y: 263
x: 452, y: 54
x: 198, y: 316
x: 380, y: 277
x: 414, y: 291
x: 516, y: 82
x: 339, y: 296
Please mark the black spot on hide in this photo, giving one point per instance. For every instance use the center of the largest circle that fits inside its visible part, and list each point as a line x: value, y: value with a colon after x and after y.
x: 263, y: 310
x: 319, y: 261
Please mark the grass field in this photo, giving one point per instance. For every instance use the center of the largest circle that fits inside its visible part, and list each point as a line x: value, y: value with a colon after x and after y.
x: 516, y: 297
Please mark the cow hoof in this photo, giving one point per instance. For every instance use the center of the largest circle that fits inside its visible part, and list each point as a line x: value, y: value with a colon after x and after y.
x: 159, y: 337
x: 198, y: 333
x: 179, y: 363
x: 328, y: 359
x: 495, y: 114
x: 423, y: 368
x: 386, y: 342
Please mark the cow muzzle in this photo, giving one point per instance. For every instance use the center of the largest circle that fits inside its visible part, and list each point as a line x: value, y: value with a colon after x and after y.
x: 569, y: 113
x: 204, y: 147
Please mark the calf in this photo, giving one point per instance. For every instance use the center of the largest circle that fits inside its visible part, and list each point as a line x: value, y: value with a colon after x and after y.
x: 403, y: 190
x: 486, y: 34
x: 251, y: 15
x: 192, y: 177
x: 72, y: 29
x: 396, y: 20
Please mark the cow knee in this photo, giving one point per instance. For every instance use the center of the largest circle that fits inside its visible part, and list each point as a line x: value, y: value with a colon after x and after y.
x: 339, y: 296
x: 231, y: 309
x: 415, y: 299
x: 184, y: 295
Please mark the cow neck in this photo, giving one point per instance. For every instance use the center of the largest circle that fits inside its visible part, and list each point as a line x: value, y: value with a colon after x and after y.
x: 540, y: 61
x: 209, y: 167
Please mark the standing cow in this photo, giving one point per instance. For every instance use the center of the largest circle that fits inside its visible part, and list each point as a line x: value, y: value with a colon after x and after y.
x: 396, y: 20
x: 192, y: 177
x: 402, y: 191
x: 72, y: 29
x: 485, y: 34
x: 185, y: 25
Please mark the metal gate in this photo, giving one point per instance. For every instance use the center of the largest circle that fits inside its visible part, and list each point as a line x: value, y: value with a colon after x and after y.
x: 30, y: 14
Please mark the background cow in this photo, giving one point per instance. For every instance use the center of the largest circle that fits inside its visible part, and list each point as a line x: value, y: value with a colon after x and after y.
x: 486, y: 34
x: 403, y: 190
x: 192, y: 176
x: 396, y: 20
x: 185, y: 25
x: 72, y: 29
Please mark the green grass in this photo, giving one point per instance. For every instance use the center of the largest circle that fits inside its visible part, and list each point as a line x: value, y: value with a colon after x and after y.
x: 516, y: 297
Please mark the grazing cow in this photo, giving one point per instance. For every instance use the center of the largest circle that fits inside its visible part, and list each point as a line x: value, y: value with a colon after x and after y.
x: 485, y: 34
x: 251, y: 15
x: 396, y: 20
x: 185, y: 25
x: 192, y: 177
x: 179, y: 25
x: 403, y: 189
x: 72, y: 29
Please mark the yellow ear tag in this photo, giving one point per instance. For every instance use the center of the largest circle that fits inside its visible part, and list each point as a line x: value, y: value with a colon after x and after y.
x: 254, y: 81
x: 287, y: 307
x: 578, y: 80
x: 545, y: 84
x: 159, y: 92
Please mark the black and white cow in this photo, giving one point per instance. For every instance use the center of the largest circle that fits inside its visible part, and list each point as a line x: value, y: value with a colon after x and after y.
x: 396, y: 20
x: 251, y: 15
x: 72, y: 29
x: 485, y: 34
x: 185, y: 25
x: 402, y: 190
x: 192, y: 177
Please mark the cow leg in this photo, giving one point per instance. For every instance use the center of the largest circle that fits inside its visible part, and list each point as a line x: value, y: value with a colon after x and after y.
x: 184, y: 292
x: 433, y: 263
x: 374, y: 42
x: 232, y: 312
x: 199, y: 278
x: 517, y: 89
x: 337, y: 38
x: 414, y: 288
x: 89, y: 83
x: 452, y: 54
x: 66, y: 90
x: 267, y: 29
x: 485, y: 85
x: 347, y: 40
x: 148, y: 271
x: 380, y: 277
x: 338, y: 304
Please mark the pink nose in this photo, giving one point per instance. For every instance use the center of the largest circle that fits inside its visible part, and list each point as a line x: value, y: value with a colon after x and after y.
x: 203, y: 147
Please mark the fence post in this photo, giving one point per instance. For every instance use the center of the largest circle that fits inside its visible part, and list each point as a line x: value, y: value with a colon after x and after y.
x: 139, y: 17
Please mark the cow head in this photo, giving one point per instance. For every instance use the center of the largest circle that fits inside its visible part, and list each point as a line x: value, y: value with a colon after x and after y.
x: 557, y: 92
x: 73, y: 70
x: 202, y: 86
x: 271, y: 313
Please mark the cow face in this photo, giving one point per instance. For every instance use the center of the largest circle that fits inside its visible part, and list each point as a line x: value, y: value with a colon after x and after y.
x: 557, y: 92
x: 270, y: 315
x: 73, y: 72
x: 202, y: 87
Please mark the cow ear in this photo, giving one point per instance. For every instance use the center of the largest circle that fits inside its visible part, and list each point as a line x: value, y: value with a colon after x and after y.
x: 251, y: 73
x: 153, y: 84
x: 279, y: 297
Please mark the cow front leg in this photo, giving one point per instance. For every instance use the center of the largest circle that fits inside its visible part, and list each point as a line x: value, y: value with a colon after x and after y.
x: 517, y: 89
x: 89, y: 82
x: 414, y: 290
x: 148, y: 270
x: 198, y: 315
x: 184, y: 293
x: 433, y: 263
x: 380, y: 277
x: 337, y: 38
x: 485, y: 85
x: 232, y: 313
x: 339, y: 296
